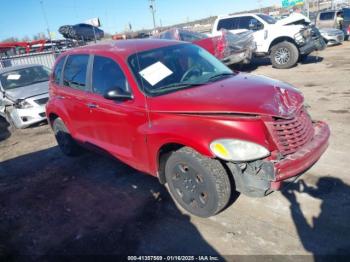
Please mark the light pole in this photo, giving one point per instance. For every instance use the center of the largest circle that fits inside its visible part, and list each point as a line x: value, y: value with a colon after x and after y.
x: 151, y: 7
x: 47, y: 22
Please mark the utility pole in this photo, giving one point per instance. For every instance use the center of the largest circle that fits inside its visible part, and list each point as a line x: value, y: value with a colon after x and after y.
x: 260, y: 6
x: 47, y: 22
x: 307, y: 3
x: 152, y: 8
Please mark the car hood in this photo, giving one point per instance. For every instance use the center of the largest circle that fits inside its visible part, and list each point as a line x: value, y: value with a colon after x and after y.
x: 28, y: 91
x: 331, y: 31
x: 294, y: 19
x: 239, y: 94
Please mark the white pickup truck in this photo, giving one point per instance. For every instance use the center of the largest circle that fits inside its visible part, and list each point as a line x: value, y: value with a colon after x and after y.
x: 285, y: 41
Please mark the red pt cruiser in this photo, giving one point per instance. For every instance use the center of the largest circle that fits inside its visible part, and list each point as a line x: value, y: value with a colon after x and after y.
x: 172, y: 110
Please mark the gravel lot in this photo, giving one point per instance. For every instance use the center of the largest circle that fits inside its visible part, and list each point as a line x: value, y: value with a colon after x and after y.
x: 51, y: 204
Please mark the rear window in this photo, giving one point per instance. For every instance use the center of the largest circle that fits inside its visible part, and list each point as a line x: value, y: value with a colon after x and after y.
x: 228, y: 24
x: 327, y: 16
x: 74, y: 75
x: 346, y: 13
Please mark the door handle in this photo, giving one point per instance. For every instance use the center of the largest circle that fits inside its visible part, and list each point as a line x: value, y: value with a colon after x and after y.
x: 92, y: 105
x: 60, y: 97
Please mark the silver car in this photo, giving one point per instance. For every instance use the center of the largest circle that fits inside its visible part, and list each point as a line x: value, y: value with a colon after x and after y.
x: 23, y: 94
x: 332, y: 36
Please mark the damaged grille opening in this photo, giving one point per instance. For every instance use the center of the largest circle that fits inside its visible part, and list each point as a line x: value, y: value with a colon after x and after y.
x: 291, y: 134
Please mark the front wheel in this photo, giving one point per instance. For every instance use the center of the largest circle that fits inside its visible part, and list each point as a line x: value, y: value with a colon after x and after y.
x: 284, y: 55
x: 198, y: 184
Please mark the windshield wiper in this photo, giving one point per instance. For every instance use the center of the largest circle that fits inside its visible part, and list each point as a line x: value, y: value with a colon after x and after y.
x: 38, y: 81
x: 177, y: 86
x: 218, y: 76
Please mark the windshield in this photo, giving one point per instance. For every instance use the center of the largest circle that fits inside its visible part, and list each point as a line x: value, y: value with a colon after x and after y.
x: 168, y: 69
x: 268, y: 19
x: 24, y: 77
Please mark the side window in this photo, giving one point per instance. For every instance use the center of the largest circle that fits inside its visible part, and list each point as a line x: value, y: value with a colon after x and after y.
x: 346, y: 13
x: 107, y: 75
x: 57, y: 73
x: 247, y: 22
x: 74, y: 75
x: 228, y: 24
x: 327, y: 16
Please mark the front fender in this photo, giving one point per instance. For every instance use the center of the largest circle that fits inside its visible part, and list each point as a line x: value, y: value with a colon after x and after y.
x: 198, y: 131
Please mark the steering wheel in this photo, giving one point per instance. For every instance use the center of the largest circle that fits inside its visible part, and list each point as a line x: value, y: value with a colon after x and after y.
x: 194, y: 70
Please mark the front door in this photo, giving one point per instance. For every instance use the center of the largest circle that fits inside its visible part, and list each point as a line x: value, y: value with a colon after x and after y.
x: 117, y: 125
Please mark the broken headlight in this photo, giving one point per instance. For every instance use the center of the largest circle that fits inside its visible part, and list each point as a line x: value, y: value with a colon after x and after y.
x: 238, y: 150
x: 23, y: 104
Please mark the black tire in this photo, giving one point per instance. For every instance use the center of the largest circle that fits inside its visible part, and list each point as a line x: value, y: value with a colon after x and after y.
x: 284, y: 55
x: 65, y: 141
x: 200, y: 185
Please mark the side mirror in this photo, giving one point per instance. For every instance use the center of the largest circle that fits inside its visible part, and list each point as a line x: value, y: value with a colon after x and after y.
x: 118, y: 95
x: 254, y: 25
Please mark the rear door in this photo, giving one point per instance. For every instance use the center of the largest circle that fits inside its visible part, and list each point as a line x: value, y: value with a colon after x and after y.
x: 74, y: 92
x: 230, y: 24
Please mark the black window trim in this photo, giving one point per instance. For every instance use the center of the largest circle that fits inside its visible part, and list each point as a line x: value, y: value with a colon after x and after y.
x: 90, y: 72
x: 87, y: 79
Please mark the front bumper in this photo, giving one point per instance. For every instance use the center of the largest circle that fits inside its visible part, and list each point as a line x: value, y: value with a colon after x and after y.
x: 334, y: 40
x: 297, y: 163
x: 23, y: 118
x: 315, y: 44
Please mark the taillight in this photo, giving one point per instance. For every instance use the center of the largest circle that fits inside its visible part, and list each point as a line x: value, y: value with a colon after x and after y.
x: 349, y: 30
x: 221, y: 45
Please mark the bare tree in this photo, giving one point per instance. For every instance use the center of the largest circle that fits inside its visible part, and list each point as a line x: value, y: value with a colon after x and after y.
x: 39, y: 36
x: 10, y: 39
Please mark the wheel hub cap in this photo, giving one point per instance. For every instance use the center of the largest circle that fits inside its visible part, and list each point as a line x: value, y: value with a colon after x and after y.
x: 190, y: 186
x: 282, y: 56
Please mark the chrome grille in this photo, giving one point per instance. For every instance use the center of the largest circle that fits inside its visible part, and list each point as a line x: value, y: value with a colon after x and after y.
x: 291, y: 134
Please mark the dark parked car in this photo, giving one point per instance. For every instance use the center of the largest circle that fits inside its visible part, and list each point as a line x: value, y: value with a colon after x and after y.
x: 81, y: 32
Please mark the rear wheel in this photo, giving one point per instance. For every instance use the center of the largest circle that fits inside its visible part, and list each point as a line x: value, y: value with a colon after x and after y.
x: 198, y: 184
x: 65, y: 141
x: 284, y: 55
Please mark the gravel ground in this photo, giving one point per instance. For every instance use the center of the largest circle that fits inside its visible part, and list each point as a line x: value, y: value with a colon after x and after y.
x: 92, y: 204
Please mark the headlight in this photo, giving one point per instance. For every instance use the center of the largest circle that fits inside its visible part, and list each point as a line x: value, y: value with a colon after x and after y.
x: 238, y: 150
x: 23, y: 104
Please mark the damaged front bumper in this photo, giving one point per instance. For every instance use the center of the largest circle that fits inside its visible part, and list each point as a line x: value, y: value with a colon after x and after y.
x: 297, y: 163
x: 313, y: 45
x: 259, y: 178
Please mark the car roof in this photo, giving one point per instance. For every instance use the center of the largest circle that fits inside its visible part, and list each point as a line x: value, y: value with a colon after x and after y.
x: 123, y: 48
x: 16, y: 67
x: 235, y: 15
